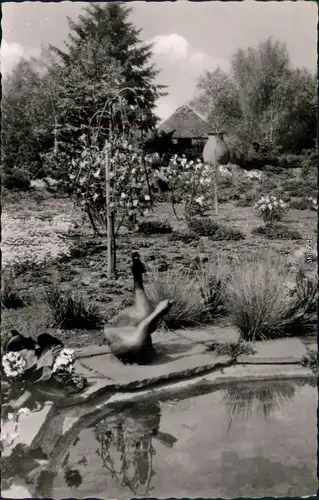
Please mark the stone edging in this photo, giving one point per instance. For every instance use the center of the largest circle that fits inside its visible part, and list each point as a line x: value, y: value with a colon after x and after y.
x: 98, y: 388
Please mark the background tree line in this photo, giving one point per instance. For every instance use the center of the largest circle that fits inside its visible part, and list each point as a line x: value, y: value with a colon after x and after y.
x: 262, y: 100
x: 50, y: 102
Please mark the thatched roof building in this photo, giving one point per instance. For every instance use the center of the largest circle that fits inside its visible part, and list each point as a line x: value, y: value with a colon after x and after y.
x: 186, y: 124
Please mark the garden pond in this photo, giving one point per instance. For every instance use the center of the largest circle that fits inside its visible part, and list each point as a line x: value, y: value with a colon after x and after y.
x: 248, y: 439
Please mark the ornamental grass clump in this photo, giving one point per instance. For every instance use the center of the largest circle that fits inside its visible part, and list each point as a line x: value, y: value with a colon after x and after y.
x: 271, y: 209
x: 257, y: 300
x: 70, y: 311
x: 213, y: 277
x: 178, y: 286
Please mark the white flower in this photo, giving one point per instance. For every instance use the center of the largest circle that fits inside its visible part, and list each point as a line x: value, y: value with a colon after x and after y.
x: 24, y: 411
x: 64, y: 359
x: 3, y: 434
x: 123, y: 196
x: 82, y: 180
x: 147, y: 197
x: 135, y: 203
x: 97, y: 173
x: 269, y: 206
x: 13, y: 364
x: 200, y: 200
x: 183, y: 162
x: 262, y: 207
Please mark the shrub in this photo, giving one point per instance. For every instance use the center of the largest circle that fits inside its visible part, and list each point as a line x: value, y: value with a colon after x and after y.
x: 17, y: 179
x: 10, y: 297
x: 185, y: 236
x: 188, y: 307
x: 232, y: 349
x: 203, y: 226
x: 310, y: 360
x: 277, y: 232
x: 289, y: 161
x: 271, y: 209
x: 300, y: 189
x: 224, y: 233
x: 70, y: 311
x: 246, y: 201
x: 257, y: 300
x: 154, y: 227
x: 302, y: 204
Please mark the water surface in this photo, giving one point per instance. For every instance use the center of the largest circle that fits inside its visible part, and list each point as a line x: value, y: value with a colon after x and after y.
x: 248, y: 440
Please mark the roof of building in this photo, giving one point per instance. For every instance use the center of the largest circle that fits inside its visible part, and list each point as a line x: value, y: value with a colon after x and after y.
x: 186, y: 124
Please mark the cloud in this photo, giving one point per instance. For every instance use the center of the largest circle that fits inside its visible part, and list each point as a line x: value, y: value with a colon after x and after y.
x: 11, y: 53
x: 175, y: 49
x: 180, y: 66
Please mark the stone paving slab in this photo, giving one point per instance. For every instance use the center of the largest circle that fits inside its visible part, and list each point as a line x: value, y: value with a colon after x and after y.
x: 211, y: 334
x: 275, y: 351
x: 255, y: 360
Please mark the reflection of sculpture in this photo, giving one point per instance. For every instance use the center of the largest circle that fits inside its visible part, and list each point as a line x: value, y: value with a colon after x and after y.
x: 126, y: 447
x: 240, y: 398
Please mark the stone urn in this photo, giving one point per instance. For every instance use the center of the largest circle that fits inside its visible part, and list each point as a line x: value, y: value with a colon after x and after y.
x: 216, y: 153
x: 215, y: 150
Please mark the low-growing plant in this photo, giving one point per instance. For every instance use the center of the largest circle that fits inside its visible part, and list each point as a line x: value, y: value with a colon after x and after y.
x: 17, y: 179
x: 258, y: 302
x: 277, y: 232
x: 271, y: 209
x: 310, y: 360
x: 308, y: 203
x: 10, y: 297
x: 300, y: 204
x: 154, y: 227
x: 246, y: 200
x: 70, y: 310
x: 183, y: 290
x: 186, y: 236
x: 224, y: 233
x: 232, y: 349
x: 203, y: 226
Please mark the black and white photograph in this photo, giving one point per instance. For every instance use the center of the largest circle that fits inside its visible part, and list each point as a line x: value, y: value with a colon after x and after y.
x: 159, y: 228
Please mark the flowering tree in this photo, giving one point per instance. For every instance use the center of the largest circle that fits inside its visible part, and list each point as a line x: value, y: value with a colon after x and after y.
x: 190, y: 182
x: 128, y: 187
x: 111, y: 182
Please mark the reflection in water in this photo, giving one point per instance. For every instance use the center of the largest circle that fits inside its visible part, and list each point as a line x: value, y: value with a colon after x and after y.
x: 72, y: 477
x: 126, y: 447
x: 240, y: 399
x: 29, y: 465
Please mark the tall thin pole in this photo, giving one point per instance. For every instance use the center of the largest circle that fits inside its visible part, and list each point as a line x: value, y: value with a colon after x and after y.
x: 215, y: 167
x: 108, y: 214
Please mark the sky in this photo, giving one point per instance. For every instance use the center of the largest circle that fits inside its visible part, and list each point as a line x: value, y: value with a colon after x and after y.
x: 188, y: 37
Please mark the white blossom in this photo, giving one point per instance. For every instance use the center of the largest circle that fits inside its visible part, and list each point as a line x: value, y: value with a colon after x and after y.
x: 13, y: 364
